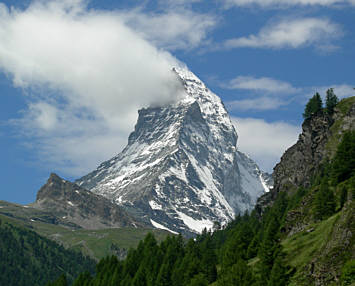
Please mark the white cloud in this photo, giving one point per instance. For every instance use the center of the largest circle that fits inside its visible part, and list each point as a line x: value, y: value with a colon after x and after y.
x: 176, y: 28
x: 291, y: 33
x: 344, y: 90
x: 286, y: 3
x: 258, y: 103
x: 341, y: 90
x: 87, y: 73
x: 263, y: 141
x: 265, y: 84
x: 267, y: 93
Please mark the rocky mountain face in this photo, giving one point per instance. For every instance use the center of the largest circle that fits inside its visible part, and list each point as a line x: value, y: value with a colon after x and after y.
x: 318, y: 140
x: 71, y: 203
x: 181, y: 169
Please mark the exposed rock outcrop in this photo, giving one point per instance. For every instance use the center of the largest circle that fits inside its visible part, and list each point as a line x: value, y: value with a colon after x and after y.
x: 77, y: 205
x: 319, y: 139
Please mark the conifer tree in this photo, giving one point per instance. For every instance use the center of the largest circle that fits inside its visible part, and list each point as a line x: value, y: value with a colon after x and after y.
x: 324, y: 201
x: 269, y: 246
x: 344, y: 160
x: 238, y: 274
x: 313, y: 106
x: 331, y: 101
x: 198, y: 280
x: 278, y: 275
x: 83, y: 279
x: 343, y: 196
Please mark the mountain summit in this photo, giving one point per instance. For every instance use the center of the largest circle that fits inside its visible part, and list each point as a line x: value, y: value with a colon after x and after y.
x: 181, y: 169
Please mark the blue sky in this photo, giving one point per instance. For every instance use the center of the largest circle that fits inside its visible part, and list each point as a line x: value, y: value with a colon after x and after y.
x: 74, y: 73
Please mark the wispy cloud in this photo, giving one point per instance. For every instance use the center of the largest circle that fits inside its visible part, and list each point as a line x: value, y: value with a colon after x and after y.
x: 257, y: 103
x: 263, y: 93
x: 265, y: 142
x: 286, y: 3
x: 341, y: 90
x: 291, y: 33
x: 176, y: 28
x: 265, y: 84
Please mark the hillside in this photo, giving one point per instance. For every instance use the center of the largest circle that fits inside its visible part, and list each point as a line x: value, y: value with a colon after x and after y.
x: 27, y: 258
x: 96, y: 243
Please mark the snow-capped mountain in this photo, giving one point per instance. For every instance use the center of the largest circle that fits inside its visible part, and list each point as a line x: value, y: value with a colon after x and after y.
x: 181, y: 169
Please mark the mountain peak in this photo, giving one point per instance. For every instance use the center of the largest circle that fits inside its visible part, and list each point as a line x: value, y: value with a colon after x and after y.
x: 181, y: 169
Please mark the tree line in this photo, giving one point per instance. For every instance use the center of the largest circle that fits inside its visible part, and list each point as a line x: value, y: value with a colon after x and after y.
x: 315, y: 104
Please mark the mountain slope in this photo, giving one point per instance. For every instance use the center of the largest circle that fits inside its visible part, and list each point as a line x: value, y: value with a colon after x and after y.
x: 96, y: 243
x: 81, y: 207
x: 318, y: 142
x: 181, y: 169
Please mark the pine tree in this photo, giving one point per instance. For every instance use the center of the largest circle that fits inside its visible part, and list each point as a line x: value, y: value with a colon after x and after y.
x: 198, y: 280
x: 344, y: 160
x: 278, y: 275
x: 238, y: 274
x: 313, y: 106
x: 61, y: 281
x: 324, y: 201
x: 83, y: 279
x: 343, y: 196
x: 331, y: 101
x: 269, y: 246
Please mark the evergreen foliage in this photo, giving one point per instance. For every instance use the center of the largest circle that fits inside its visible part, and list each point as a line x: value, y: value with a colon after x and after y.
x: 278, y: 275
x: 27, y: 258
x: 344, y: 160
x: 313, y: 106
x: 348, y: 273
x: 343, y: 196
x: 331, y: 101
x: 173, y: 262
x: 324, y: 201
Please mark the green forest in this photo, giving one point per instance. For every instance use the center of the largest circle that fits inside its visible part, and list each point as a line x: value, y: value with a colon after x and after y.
x: 30, y: 259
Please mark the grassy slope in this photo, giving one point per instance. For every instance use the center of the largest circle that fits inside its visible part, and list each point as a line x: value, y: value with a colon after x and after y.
x: 96, y: 243
x: 302, y: 247
x: 328, y: 244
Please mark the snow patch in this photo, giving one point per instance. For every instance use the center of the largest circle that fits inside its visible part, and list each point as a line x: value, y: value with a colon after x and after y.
x: 194, y: 224
x: 158, y: 225
x: 266, y: 188
x: 155, y: 206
